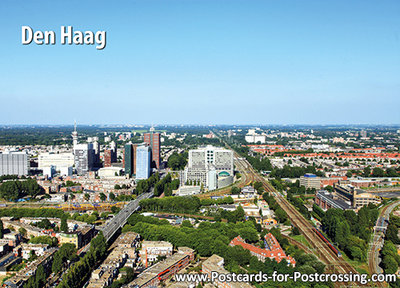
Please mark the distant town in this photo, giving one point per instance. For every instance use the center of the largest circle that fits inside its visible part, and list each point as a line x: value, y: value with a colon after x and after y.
x: 137, y: 205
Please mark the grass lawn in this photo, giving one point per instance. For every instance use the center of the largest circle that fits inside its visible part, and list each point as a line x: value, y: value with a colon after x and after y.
x: 361, y: 267
x: 300, y: 238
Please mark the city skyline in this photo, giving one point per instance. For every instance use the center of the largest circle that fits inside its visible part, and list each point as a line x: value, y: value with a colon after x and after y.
x: 205, y: 62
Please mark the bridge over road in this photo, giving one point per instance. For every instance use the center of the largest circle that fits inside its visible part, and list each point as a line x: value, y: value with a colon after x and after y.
x: 119, y: 220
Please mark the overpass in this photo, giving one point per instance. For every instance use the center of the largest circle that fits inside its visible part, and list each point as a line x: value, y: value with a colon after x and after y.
x: 119, y: 220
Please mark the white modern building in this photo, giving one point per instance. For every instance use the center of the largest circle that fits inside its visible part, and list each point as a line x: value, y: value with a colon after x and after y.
x: 255, y: 139
x: 61, y: 161
x: 211, y: 166
x: 109, y: 172
x: 14, y: 163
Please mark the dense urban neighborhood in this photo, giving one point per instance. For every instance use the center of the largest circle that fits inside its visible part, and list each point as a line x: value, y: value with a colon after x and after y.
x: 142, y: 206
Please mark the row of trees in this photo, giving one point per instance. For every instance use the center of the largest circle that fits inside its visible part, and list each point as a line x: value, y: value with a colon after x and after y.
x: 51, y: 241
x: 166, y: 186
x: 259, y: 163
x: 10, y: 177
x: 67, y: 252
x: 49, y: 213
x: 39, y: 280
x: 390, y: 258
x: 144, y: 186
x: 220, y: 201
x: 14, y: 190
x: 280, y: 214
x: 180, y: 204
x: 80, y: 271
x: 375, y: 172
x: 30, y: 212
x: 299, y: 204
x: 351, y: 231
x: 294, y: 172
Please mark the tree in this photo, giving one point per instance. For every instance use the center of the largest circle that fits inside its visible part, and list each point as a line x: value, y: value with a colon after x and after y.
x: 44, y: 224
x: 64, y: 225
x: 249, y: 234
x: 281, y: 215
x: 87, y: 196
x: 259, y: 187
x: 389, y: 264
x: 32, y: 256
x: 392, y: 234
x: 22, y: 231
x: 115, y: 209
x: 52, y: 241
x: 112, y: 196
x: 378, y: 172
x: 235, y: 190
x: 186, y: 223
x: 103, y: 196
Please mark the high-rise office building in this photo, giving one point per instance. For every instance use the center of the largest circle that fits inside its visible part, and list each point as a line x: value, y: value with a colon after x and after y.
x: 84, y: 157
x: 14, y: 163
x: 93, y: 141
x: 154, y: 141
x: 113, y: 148
x: 143, y: 160
x: 128, y: 159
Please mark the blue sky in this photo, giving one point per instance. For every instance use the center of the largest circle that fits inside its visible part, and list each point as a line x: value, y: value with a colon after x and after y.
x: 205, y: 62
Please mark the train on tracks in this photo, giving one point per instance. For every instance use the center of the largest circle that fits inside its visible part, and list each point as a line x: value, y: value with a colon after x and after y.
x: 331, y: 246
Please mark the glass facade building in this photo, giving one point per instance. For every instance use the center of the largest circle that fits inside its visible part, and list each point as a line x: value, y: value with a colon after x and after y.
x: 143, y: 161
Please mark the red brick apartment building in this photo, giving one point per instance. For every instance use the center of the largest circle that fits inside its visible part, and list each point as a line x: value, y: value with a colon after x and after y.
x: 272, y: 249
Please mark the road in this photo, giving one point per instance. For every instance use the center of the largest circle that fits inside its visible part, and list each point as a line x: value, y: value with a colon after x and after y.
x: 378, y: 238
x: 119, y: 220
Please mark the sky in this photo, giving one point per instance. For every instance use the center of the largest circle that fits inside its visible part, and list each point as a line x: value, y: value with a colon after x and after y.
x: 204, y: 62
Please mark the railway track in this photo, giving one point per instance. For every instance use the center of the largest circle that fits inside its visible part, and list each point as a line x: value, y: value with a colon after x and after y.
x: 321, y: 249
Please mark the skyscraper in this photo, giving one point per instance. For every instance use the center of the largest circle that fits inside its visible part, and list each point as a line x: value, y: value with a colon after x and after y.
x: 153, y: 140
x: 143, y: 160
x: 128, y: 159
x: 83, y: 157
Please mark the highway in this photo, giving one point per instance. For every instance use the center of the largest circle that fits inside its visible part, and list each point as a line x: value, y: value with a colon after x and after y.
x: 119, y: 220
x: 378, y: 238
